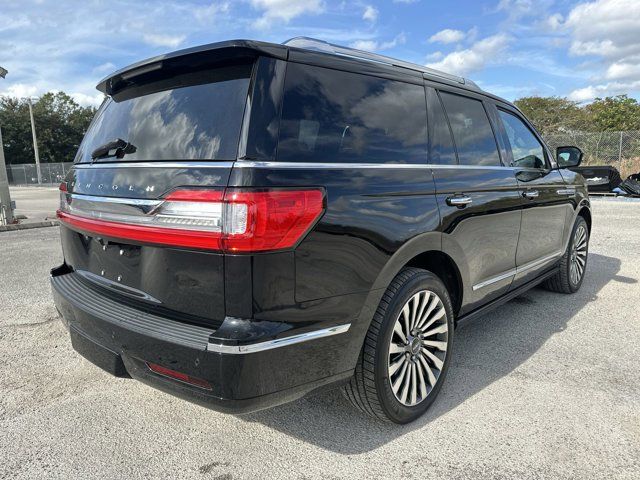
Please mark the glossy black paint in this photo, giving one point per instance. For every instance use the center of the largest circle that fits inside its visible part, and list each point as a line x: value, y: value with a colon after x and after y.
x: 379, y: 218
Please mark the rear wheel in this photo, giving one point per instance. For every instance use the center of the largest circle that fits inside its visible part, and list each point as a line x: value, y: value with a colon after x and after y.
x: 574, y: 261
x: 407, y: 349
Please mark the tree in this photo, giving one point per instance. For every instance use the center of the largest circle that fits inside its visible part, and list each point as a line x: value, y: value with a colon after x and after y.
x: 60, y: 126
x: 553, y: 114
x: 614, y: 114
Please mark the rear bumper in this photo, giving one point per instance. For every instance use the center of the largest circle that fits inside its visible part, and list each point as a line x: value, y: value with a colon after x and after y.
x: 265, y: 371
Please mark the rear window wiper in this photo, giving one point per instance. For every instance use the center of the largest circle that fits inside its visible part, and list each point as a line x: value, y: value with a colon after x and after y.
x: 117, y: 148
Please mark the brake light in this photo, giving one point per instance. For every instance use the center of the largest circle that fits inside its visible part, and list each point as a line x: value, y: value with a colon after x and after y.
x: 234, y: 221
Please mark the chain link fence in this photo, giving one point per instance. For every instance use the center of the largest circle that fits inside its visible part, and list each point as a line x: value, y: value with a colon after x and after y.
x: 26, y: 173
x: 618, y: 149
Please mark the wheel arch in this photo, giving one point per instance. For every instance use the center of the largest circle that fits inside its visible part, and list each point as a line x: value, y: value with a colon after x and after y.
x: 585, y: 213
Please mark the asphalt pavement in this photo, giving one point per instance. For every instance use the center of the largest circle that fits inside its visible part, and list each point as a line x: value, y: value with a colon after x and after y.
x: 546, y: 386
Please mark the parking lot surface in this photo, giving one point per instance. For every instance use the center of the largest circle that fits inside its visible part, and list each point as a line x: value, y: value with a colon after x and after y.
x: 546, y: 386
x: 37, y: 204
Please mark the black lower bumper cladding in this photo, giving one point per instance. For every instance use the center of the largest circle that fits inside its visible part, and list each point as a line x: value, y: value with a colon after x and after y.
x: 126, y: 342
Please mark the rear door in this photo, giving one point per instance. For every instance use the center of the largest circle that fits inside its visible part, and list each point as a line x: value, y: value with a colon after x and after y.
x: 147, y: 182
x: 478, y: 197
x: 545, y: 197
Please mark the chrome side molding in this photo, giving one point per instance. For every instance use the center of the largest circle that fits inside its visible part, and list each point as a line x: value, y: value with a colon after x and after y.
x: 517, y: 270
x: 278, y: 342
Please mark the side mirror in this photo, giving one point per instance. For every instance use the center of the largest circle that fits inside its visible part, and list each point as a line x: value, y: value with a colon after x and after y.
x: 568, y: 157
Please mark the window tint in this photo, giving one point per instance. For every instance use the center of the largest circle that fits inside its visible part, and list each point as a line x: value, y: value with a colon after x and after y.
x: 334, y: 116
x: 189, y: 122
x: 472, y: 131
x: 527, y: 150
x: 441, y: 150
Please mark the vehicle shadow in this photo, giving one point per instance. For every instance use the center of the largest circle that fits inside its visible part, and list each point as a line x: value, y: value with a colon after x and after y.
x: 485, y: 350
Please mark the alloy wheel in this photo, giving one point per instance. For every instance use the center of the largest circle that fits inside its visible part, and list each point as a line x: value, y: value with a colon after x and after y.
x: 418, y: 348
x: 578, y: 255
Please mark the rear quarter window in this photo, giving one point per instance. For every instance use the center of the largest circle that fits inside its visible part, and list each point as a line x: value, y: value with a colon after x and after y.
x: 198, y: 119
x: 334, y: 116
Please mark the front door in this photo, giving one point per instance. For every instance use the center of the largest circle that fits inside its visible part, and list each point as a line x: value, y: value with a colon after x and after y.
x: 545, y: 199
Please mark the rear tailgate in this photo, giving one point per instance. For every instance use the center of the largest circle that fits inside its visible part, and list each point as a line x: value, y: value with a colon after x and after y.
x: 183, y: 281
x: 141, y: 209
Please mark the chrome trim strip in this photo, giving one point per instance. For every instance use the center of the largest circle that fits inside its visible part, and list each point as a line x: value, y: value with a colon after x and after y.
x: 160, y: 164
x: 538, y: 262
x: 278, y: 342
x: 125, y: 201
x: 492, y: 280
x: 346, y: 166
x: 566, y: 191
x: 517, y: 270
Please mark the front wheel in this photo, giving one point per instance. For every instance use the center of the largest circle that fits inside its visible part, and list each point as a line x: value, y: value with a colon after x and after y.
x: 407, y: 349
x: 573, y: 264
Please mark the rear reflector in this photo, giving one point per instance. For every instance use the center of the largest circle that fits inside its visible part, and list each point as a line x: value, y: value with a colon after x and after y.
x: 182, y: 377
x: 234, y: 221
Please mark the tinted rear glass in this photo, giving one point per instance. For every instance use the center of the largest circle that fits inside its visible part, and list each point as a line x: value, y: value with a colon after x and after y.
x: 199, y: 119
x: 335, y: 116
x: 472, y: 131
x: 441, y: 150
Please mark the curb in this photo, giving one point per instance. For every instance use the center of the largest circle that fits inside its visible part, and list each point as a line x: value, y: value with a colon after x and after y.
x: 27, y: 226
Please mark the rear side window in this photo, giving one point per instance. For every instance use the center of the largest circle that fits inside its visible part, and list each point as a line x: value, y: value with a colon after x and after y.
x: 527, y: 150
x: 198, y: 119
x: 472, y: 131
x: 441, y: 149
x: 333, y: 116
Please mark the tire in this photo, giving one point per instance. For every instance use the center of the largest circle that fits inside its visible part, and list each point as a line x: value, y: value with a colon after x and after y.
x: 377, y: 388
x: 565, y: 281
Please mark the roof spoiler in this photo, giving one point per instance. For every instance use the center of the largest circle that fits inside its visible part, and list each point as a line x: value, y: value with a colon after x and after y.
x: 193, y: 58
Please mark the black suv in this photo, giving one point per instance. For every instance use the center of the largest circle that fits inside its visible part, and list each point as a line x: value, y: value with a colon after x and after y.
x: 247, y: 222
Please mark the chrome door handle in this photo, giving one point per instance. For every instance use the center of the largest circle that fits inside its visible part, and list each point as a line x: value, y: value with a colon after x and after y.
x: 459, y: 201
x: 531, y: 194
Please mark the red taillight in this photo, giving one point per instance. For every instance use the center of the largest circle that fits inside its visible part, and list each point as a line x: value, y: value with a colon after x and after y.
x: 183, y: 377
x: 270, y: 220
x: 235, y: 220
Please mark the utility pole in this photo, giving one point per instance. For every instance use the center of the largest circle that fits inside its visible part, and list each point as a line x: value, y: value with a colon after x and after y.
x: 6, y: 205
x: 35, y: 142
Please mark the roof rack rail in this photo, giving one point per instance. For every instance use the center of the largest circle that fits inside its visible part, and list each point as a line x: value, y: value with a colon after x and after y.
x: 308, y: 43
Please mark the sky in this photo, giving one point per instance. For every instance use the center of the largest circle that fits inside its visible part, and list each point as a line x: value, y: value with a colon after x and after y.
x: 513, y: 48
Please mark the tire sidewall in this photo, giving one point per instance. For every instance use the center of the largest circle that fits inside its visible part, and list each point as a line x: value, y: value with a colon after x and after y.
x: 396, y: 411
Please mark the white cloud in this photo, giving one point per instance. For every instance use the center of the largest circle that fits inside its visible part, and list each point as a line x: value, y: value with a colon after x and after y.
x: 447, y: 36
x: 209, y: 13
x: 434, y: 56
x: 623, y: 70
x: 553, y: 22
x: 405, y: 1
x: 283, y: 11
x: 20, y: 90
x: 160, y: 40
x: 607, y: 30
x: 587, y: 94
x: 375, y: 45
x: 370, y: 13
x: 474, y: 58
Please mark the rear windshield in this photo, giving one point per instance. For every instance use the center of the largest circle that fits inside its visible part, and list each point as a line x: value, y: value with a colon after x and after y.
x: 197, y: 118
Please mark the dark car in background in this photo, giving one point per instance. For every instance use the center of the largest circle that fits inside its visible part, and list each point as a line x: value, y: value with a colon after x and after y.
x: 247, y: 222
